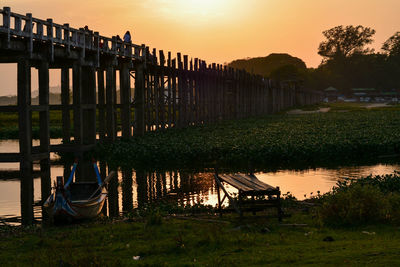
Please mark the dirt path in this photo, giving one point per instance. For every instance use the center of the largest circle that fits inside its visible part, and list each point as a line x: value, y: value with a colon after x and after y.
x: 299, y: 111
x: 376, y: 105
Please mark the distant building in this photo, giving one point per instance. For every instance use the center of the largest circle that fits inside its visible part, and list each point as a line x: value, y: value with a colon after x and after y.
x: 331, y: 94
x: 374, y: 95
x: 364, y: 94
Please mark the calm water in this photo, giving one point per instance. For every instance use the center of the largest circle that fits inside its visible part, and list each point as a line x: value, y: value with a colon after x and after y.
x: 135, y: 189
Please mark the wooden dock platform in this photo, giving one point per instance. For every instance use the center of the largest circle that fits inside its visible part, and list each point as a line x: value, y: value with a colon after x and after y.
x: 253, y: 196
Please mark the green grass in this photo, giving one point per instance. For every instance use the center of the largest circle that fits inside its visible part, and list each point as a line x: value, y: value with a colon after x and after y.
x: 9, y: 125
x: 177, y: 242
x: 271, y: 140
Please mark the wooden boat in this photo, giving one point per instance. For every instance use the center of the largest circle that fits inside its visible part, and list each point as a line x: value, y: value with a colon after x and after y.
x: 78, y: 200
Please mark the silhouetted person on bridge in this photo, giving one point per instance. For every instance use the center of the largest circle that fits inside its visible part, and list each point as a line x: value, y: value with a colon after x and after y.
x: 119, y: 41
x: 127, y: 37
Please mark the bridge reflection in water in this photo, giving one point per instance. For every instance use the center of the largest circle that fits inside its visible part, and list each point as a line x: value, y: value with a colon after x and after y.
x: 141, y: 188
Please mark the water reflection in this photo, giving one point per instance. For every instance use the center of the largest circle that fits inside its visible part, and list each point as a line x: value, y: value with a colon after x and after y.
x: 134, y: 189
x: 180, y: 186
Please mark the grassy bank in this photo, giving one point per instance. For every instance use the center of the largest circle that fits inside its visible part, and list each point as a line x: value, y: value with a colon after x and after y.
x: 196, y: 242
x: 156, y: 237
x: 276, y: 139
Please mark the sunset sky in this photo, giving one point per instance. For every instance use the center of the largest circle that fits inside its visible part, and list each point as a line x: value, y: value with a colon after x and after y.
x: 215, y: 30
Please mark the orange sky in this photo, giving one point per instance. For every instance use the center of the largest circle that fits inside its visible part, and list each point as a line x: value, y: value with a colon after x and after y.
x: 217, y: 30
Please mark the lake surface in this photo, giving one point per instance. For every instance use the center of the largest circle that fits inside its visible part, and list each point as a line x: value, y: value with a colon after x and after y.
x: 137, y: 188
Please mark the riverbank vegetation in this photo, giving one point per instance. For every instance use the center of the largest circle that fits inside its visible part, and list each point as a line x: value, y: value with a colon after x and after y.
x: 368, y: 200
x: 281, y: 139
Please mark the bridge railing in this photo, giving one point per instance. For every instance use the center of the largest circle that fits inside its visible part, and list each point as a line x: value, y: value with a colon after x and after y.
x: 33, y: 29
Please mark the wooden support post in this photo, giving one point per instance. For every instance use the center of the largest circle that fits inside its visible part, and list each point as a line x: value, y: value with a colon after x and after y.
x: 234, y: 202
x: 200, y: 92
x: 148, y: 101
x: 116, y: 101
x: 139, y: 99
x: 44, y: 118
x: 125, y: 94
x: 197, y: 90
x: 185, y: 92
x: 89, y: 100
x: 7, y: 23
x: 174, y: 90
x: 281, y: 97
x: 161, y: 93
x: 169, y: 85
x: 278, y: 199
x: 77, y: 103
x: 101, y: 102
x: 224, y: 87
x: 219, y: 201
x: 156, y: 91
x: 207, y: 90
x: 214, y: 93
x: 274, y: 98
x: 25, y: 140
x: 191, y: 109
x: 181, y: 101
x: 110, y: 98
x: 66, y: 117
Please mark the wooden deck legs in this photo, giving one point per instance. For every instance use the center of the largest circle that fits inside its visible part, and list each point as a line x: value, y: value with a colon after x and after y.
x: 248, y: 186
x: 279, y: 208
x: 219, y: 202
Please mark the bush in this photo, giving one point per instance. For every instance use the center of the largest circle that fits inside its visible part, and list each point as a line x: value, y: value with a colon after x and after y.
x: 358, y: 204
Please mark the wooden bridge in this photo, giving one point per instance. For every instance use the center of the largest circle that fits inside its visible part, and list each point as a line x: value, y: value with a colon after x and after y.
x: 168, y: 92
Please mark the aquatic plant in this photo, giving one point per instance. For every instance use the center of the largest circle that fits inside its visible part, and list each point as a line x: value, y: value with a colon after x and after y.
x: 275, y: 139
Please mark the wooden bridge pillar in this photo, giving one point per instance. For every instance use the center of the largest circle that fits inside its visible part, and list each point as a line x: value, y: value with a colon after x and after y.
x: 44, y: 118
x: 185, y: 92
x: 65, y: 102
x: 125, y: 95
x: 169, y: 118
x: 174, y: 109
x: 139, y: 100
x: 180, y: 78
x: 89, y: 103
x: 77, y: 103
x: 25, y: 140
x: 110, y: 104
x: 101, y: 96
x: 161, y: 91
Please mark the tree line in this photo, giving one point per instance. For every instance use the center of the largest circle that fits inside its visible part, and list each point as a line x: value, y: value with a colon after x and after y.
x: 348, y: 62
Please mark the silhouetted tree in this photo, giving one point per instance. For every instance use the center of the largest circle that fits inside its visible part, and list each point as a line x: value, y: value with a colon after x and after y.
x: 266, y: 65
x: 285, y: 73
x: 343, y: 42
x: 392, y: 45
